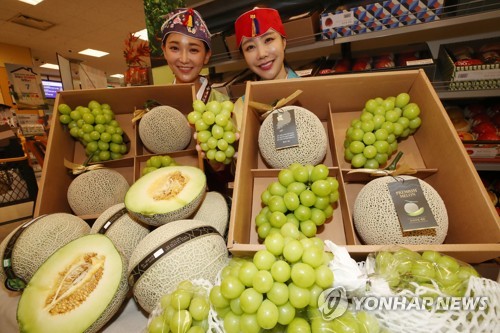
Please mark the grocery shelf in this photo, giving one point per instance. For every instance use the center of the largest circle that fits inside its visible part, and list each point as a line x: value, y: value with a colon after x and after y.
x: 465, y: 94
x: 486, y: 166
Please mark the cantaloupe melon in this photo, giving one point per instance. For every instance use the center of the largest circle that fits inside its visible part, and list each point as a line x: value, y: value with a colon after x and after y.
x: 125, y: 232
x: 92, y: 192
x: 167, y: 194
x: 34, y: 241
x: 377, y: 222
x: 183, y: 250
x: 214, y: 211
x: 78, y: 289
x: 164, y: 129
x: 311, y: 135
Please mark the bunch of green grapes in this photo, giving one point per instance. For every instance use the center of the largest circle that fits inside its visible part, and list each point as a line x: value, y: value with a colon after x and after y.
x: 299, y: 202
x: 278, y: 285
x: 215, y: 129
x: 96, y: 128
x: 404, y: 266
x: 373, y: 137
x: 183, y: 310
x: 155, y: 162
x: 348, y: 322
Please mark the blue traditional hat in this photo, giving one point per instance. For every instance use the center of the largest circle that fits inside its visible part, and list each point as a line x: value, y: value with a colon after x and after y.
x: 188, y: 22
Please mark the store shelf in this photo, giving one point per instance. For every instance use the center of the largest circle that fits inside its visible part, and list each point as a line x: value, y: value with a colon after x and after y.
x: 486, y: 166
x: 465, y: 94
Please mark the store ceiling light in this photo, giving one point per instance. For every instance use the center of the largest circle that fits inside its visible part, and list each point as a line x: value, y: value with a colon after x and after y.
x: 142, y: 34
x: 93, y: 53
x: 51, y: 66
x: 31, y: 2
x: 119, y: 76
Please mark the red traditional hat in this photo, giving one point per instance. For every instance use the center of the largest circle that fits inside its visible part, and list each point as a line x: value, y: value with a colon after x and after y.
x: 257, y: 22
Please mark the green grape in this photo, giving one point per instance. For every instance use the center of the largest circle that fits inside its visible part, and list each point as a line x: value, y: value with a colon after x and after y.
x: 104, y: 155
x: 402, y: 100
x: 249, y: 324
x: 358, y: 161
x: 262, y: 281
x: 324, y: 276
x: 231, y: 322
x: 312, y: 256
x: 154, y: 161
x: 285, y: 177
x: 277, y: 204
x: 230, y: 151
x: 200, y: 125
x: 181, y: 321
x: 234, y: 304
x: 75, y: 115
x: 286, y: 313
x: 319, y: 172
x: 302, y: 213
x: 264, y: 259
x: 308, y: 228
x: 301, y: 174
x: 220, y: 156
x: 217, y: 299
x: 371, y: 164
x: 415, y: 123
x: 449, y: 263
x: 64, y: 109
x: 346, y: 323
x: 158, y: 325
x: 281, y: 271
x: 231, y: 287
x: 322, y: 201
x: 199, y: 106
x: 208, y: 117
x: 276, y: 188
x: 267, y: 315
x: 229, y: 136
x: 307, y: 198
x: 193, y: 116
x: 296, y: 187
x: 293, y: 251
x: 74, y: 132
x: 356, y: 147
x: 250, y: 300
x: 222, y: 145
x: 180, y: 299
x: 299, y: 297
x: 291, y: 200
x: 274, y: 244
x: 357, y: 134
x: 290, y: 229
x: 278, y: 293
x: 217, y: 132
x: 303, y: 275
x: 196, y: 329
x: 263, y: 230
x: 367, y: 126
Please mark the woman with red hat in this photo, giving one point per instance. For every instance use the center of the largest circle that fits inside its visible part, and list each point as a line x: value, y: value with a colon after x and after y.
x: 186, y: 46
x: 261, y: 38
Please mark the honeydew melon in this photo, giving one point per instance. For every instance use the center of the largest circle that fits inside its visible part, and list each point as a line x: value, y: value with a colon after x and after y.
x: 95, y: 191
x: 38, y: 239
x: 78, y: 289
x: 125, y: 232
x: 167, y: 194
x: 376, y: 220
x: 183, y: 250
x: 214, y: 211
x: 164, y: 129
x: 311, y: 135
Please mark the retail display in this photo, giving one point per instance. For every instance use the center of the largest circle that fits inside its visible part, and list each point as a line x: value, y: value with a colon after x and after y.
x: 164, y: 129
x: 125, y: 232
x: 299, y: 202
x: 96, y: 128
x: 214, y: 210
x: 167, y: 194
x: 215, y: 129
x: 176, y: 251
x: 376, y: 218
x: 158, y: 161
x: 43, y: 236
x: 94, y: 191
x: 79, y: 288
x: 373, y: 137
x: 292, y: 134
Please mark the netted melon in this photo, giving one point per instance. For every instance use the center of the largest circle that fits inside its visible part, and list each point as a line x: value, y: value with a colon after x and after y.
x: 78, y: 289
x: 183, y: 250
x: 164, y: 129
x: 311, y: 135
x: 167, y: 194
x: 214, y: 211
x: 34, y: 241
x: 95, y: 191
x: 125, y: 232
x: 377, y: 222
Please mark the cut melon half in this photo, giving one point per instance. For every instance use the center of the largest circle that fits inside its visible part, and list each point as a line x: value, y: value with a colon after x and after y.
x: 78, y: 288
x: 167, y: 194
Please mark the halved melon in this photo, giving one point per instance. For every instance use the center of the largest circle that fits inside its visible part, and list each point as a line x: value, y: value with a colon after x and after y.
x: 78, y: 289
x: 167, y: 194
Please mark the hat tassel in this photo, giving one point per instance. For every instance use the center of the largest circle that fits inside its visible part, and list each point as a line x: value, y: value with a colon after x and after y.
x: 188, y: 21
x: 255, y: 26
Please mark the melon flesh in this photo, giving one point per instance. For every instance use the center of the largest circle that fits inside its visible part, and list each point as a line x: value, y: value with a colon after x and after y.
x: 77, y: 289
x: 167, y: 194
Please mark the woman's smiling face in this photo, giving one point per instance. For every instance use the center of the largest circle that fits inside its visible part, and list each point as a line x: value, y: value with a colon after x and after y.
x: 185, y: 56
x: 265, y: 55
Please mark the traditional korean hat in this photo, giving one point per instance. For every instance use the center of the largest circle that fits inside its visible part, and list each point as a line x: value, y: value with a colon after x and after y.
x: 188, y: 22
x: 257, y: 22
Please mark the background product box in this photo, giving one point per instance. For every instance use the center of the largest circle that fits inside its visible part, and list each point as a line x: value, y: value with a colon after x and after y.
x: 434, y: 150
x: 123, y: 101
x: 473, y: 77
x: 380, y: 15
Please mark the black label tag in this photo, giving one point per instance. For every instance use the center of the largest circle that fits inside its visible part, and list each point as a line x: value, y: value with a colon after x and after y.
x: 411, y: 206
x: 112, y: 219
x: 285, y: 129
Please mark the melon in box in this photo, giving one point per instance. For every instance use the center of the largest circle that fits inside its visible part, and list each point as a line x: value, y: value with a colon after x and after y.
x: 434, y: 150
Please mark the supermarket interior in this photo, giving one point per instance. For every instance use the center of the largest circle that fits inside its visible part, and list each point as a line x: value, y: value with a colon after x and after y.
x: 135, y: 200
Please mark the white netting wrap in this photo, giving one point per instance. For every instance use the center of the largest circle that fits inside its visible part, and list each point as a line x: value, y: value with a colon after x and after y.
x: 451, y: 320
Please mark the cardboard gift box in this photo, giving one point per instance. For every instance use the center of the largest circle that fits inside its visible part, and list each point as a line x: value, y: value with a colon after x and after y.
x: 123, y: 101
x: 361, y: 18
x: 434, y: 150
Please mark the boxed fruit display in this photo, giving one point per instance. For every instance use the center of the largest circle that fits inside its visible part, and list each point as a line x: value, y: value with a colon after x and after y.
x: 56, y: 177
x: 471, y: 65
x: 434, y: 151
x: 359, y: 17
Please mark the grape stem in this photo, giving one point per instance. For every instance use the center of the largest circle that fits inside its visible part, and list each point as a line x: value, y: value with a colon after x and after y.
x: 394, y: 163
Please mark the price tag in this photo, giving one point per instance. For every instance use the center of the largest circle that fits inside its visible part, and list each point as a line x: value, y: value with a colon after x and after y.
x: 411, y: 206
x: 304, y: 72
x: 486, y: 74
x: 285, y: 129
x: 419, y: 62
x: 343, y: 19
